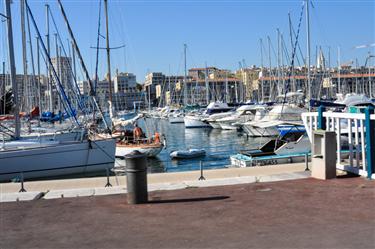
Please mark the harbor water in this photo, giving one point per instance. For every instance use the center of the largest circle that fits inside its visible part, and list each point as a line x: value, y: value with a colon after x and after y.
x: 218, y: 144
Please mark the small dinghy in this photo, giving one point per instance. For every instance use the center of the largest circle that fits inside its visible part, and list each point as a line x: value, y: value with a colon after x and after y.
x: 186, y: 154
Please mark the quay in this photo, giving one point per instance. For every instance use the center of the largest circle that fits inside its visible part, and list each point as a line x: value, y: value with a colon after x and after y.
x: 302, y: 213
x: 50, y: 189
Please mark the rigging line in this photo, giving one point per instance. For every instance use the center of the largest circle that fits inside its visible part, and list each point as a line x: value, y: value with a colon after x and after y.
x: 293, y: 56
x: 57, y: 79
x: 75, y: 86
x: 31, y: 56
x: 97, y: 50
x: 299, y: 47
x: 83, y: 65
x: 45, y: 61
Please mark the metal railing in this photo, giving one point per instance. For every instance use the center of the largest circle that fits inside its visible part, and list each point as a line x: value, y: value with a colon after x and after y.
x: 354, y: 138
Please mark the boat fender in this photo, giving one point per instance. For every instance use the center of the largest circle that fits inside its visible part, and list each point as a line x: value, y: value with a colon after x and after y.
x: 164, y: 142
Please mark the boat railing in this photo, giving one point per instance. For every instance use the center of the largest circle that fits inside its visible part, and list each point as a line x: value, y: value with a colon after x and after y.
x: 355, y: 138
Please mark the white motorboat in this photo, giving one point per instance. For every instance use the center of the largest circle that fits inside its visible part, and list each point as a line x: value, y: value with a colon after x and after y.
x: 291, y: 147
x: 195, y: 121
x: 213, y: 119
x: 280, y: 114
x: 241, y: 115
x: 176, y: 117
x: 187, y: 154
x: 31, y: 159
x: 200, y: 120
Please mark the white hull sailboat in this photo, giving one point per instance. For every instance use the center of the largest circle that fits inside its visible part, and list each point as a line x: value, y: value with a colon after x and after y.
x: 150, y: 150
x: 45, y: 159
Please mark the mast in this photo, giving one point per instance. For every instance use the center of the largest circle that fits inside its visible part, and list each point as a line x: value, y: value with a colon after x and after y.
x: 308, y: 52
x: 278, y: 63
x: 339, y: 70
x: 207, y: 85
x: 58, y: 69
x: 82, y: 64
x: 226, y: 88
x: 74, y: 62
x: 13, y: 70
x: 39, y: 84
x: 108, y: 57
x: 24, y: 58
x: 33, y: 97
x: 3, y: 90
x: 185, y: 84
x: 49, y: 82
x: 261, y: 68
x: 270, y: 64
x: 369, y: 75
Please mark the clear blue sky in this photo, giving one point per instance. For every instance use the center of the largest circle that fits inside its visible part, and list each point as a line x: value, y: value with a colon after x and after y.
x: 220, y: 33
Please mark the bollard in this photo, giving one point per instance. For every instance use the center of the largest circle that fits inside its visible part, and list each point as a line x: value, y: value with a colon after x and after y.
x: 201, y: 178
x: 307, y: 162
x: 136, y: 178
x: 22, y: 187
x: 108, y: 182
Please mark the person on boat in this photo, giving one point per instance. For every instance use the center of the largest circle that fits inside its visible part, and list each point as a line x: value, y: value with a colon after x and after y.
x: 157, y: 138
x: 137, y: 132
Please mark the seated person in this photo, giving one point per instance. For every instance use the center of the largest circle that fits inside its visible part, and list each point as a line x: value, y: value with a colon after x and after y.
x: 137, y: 132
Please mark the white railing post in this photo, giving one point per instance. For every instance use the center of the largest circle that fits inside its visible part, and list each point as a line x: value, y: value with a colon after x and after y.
x: 350, y: 136
x: 338, y: 132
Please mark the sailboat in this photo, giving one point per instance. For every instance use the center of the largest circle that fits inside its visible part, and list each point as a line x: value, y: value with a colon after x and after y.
x: 29, y: 158
x: 125, y: 142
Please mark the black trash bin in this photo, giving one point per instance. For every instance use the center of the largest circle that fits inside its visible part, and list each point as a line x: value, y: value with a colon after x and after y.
x: 136, y: 178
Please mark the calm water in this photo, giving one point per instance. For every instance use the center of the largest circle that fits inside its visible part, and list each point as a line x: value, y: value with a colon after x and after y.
x: 219, y: 145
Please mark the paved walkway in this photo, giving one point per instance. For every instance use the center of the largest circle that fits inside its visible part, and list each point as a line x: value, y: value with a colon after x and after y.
x: 305, y: 213
x: 165, y: 181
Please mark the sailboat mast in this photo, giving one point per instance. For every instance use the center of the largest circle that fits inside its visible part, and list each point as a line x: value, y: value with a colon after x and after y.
x: 270, y: 64
x: 24, y: 58
x: 339, y: 70
x: 207, y: 85
x: 308, y: 52
x: 39, y: 88
x: 13, y: 70
x: 108, y: 52
x: 49, y: 83
x: 261, y: 68
x: 86, y: 73
x: 185, y: 83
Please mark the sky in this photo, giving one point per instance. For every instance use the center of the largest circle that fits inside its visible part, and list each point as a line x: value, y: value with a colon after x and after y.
x: 219, y: 33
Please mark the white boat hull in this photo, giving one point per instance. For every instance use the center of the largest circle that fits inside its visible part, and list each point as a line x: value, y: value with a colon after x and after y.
x: 195, y: 122
x: 59, y: 159
x: 215, y: 124
x: 226, y: 126
x: 148, y: 150
x: 176, y: 120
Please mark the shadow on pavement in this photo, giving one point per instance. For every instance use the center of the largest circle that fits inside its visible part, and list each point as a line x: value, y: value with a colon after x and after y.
x: 214, y: 198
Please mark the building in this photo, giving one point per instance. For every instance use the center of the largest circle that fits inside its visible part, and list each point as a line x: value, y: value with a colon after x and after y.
x: 124, y: 95
x: 125, y: 83
x: 28, y: 87
x: 170, y: 90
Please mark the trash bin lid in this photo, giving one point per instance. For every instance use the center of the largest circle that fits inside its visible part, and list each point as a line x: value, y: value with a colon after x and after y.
x: 134, y: 154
